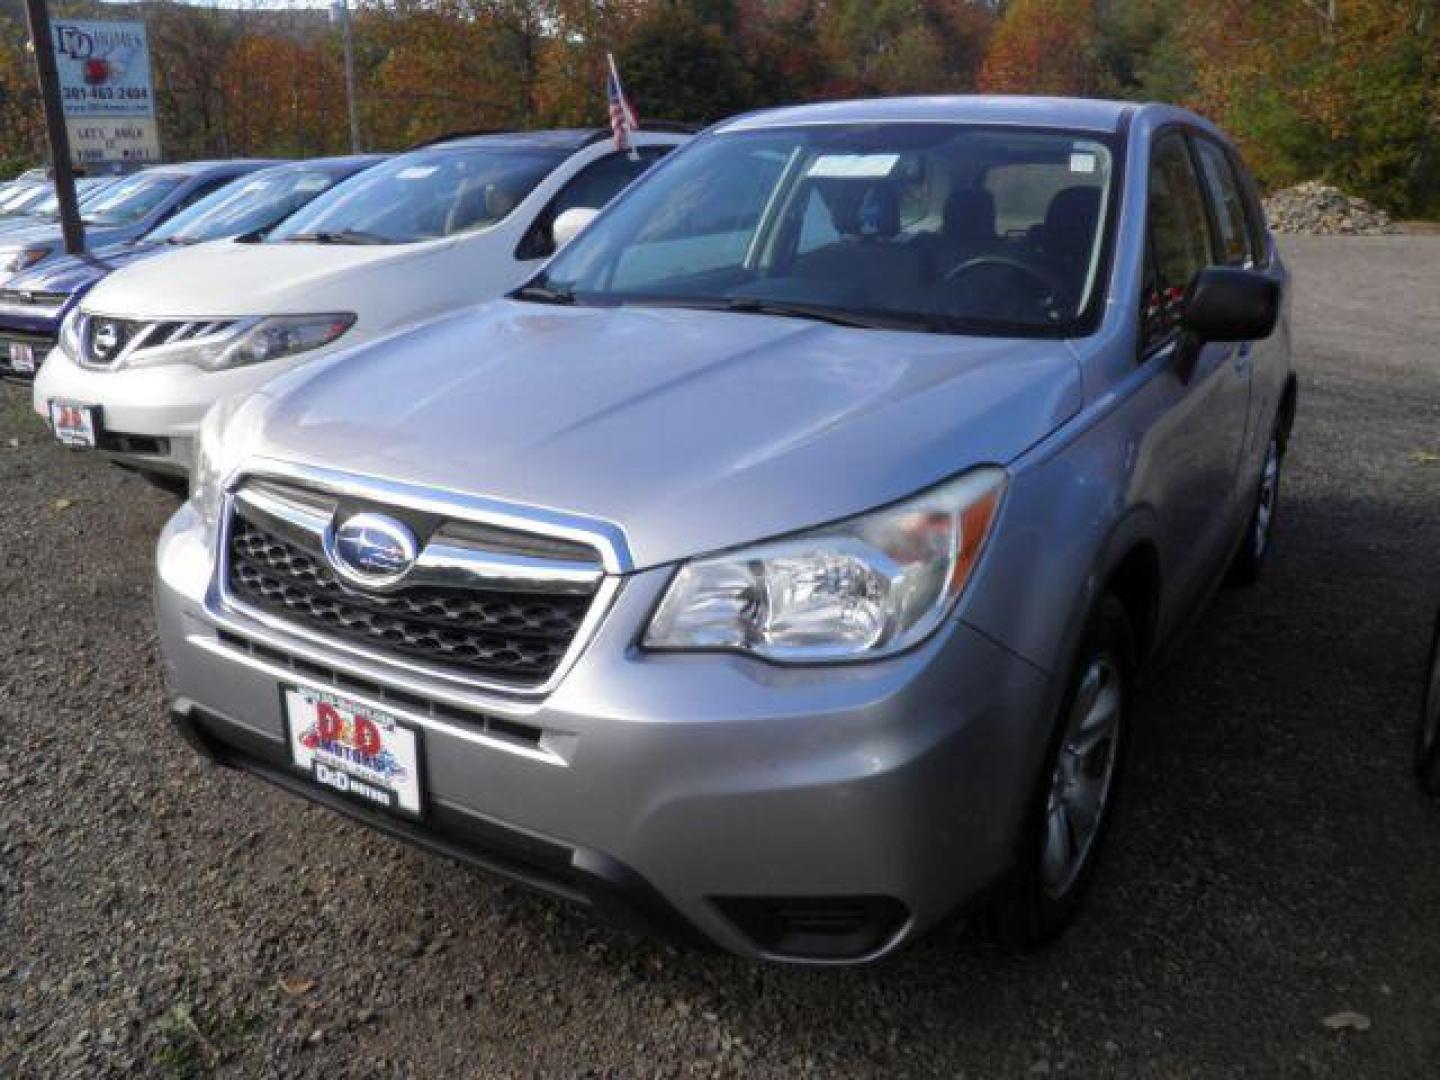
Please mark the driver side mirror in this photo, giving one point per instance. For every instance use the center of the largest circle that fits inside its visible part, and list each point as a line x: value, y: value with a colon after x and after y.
x: 571, y: 224
x: 1227, y: 303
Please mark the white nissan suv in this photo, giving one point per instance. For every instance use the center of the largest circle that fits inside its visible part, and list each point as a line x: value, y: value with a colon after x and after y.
x: 455, y: 222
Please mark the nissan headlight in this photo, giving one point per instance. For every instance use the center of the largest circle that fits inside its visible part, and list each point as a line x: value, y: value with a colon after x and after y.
x: 253, y: 342
x: 864, y: 588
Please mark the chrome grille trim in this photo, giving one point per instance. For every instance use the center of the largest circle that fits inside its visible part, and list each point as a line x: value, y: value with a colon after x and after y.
x: 441, y: 563
x: 366, y: 663
x: 30, y: 304
x: 146, y: 336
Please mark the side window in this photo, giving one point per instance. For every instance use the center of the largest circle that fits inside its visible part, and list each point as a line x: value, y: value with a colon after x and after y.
x: 1229, y: 206
x: 593, y: 186
x: 1179, y: 242
x: 1254, y: 213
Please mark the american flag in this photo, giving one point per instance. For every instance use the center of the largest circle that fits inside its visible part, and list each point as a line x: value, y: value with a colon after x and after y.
x: 623, y: 121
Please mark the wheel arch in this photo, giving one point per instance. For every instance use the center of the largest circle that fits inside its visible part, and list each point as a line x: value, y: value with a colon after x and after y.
x: 1289, y: 398
x: 1135, y: 582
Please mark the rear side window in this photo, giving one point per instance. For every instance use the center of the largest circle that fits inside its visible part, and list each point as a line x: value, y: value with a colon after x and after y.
x: 1179, y: 241
x: 1229, y: 204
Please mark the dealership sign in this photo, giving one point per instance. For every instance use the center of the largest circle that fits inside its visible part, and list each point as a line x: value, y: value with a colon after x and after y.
x: 104, y: 70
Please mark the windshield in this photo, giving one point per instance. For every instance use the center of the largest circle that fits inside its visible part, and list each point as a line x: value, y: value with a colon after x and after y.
x: 912, y: 226
x: 130, y: 199
x: 423, y: 195
x: 86, y: 190
x: 24, y: 199
x: 248, y: 205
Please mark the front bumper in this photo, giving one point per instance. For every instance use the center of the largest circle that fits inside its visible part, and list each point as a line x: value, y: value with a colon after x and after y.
x: 711, y: 796
x: 148, y: 416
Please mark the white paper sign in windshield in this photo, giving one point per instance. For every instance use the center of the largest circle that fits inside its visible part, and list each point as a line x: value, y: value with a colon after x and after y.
x: 854, y: 166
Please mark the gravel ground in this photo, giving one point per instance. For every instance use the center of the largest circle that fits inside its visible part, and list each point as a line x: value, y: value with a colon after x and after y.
x: 1272, y: 864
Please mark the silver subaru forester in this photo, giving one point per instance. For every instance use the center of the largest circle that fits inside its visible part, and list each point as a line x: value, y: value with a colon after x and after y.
x: 773, y: 569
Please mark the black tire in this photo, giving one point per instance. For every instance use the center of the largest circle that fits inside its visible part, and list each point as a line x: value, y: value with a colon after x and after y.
x: 1260, y: 529
x: 1427, y: 731
x: 1031, y: 908
x: 177, y: 486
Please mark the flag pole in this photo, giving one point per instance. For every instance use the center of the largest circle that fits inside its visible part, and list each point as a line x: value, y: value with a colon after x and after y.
x: 630, y: 119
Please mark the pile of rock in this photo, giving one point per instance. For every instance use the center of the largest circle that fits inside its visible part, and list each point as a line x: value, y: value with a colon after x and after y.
x: 1321, y: 210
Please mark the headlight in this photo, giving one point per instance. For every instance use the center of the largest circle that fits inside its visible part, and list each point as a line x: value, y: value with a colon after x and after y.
x: 217, y: 451
x: 13, y: 260
x: 863, y: 588
x: 254, y: 343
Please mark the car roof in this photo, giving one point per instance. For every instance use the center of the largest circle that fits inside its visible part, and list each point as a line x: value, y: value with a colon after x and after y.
x: 1086, y: 114
x: 347, y: 163
x: 196, y: 168
x: 564, y: 139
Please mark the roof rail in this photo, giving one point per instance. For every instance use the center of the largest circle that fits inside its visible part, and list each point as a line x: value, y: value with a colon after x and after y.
x: 451, y: 135
x: 679, y: 127
x: 663, y: 127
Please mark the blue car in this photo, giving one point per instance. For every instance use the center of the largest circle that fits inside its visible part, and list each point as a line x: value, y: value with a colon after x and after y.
x: 33, y: 303
x: 126, y: 209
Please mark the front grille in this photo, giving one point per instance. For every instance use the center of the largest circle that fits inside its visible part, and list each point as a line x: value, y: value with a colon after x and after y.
x: 24, y: 298
x: 517, y: 637
x: 105, y: 340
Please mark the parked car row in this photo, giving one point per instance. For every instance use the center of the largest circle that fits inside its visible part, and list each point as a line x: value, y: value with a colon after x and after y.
x: 768, y: 564
x: 33, y: 303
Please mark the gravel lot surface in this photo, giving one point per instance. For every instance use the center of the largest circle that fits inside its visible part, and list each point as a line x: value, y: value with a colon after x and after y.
x: 1272, y: 866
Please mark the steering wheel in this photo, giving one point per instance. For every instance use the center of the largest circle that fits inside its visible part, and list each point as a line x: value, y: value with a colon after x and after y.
x: 1051, y: 287
x: 1051, y: 284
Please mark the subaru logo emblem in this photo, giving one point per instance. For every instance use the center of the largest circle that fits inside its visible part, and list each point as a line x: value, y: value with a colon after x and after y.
x: 105, y: 338
x: 372, y: 549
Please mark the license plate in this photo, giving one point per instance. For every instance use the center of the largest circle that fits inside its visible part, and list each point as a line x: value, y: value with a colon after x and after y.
x: 22, y: 358
x: 75, y: 424
x: 363, y: 753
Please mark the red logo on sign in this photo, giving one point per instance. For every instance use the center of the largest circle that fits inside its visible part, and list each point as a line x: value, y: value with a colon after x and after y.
x: 359, y: 733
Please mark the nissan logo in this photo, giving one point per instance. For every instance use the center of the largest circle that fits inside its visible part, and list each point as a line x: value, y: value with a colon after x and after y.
x: 105, y: 339
x: 372, y: 549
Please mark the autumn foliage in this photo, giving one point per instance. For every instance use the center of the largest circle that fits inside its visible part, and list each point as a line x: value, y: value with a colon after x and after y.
x: 1343, y: 90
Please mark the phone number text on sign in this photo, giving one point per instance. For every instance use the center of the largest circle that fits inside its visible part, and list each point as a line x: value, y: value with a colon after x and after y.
x: 104, y: 69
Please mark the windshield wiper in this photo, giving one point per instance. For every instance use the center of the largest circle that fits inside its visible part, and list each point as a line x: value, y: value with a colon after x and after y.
x: 544, y: 294
x: 821, y: 313
x: 340, y: 236
x: 794, y: 309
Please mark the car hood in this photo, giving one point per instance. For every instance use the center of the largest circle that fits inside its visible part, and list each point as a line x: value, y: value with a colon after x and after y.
x: 227, y: 278
x: 688, y: 431
x: 75, y: 273
x: 47, y: 233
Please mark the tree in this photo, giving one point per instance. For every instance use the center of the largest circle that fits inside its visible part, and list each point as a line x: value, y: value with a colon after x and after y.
x: 1044, y: 47
x: 682, y: 68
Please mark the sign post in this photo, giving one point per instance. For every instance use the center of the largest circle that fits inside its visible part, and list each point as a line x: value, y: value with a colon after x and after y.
x: 38, y: 16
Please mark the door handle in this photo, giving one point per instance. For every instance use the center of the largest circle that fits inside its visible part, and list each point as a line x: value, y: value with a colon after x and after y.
x: 1243, y: 356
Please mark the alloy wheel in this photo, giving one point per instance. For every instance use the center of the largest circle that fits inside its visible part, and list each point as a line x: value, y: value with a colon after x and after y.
x: 1430, y: 720
x: 1084, y: 773
x: 1269, y: 493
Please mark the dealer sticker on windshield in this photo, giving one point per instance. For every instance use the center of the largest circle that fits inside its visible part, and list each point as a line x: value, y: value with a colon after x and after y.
x: 363, y: 753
